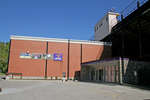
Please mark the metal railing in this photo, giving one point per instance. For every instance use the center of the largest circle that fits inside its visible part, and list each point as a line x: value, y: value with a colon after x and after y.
x: 134, y: 5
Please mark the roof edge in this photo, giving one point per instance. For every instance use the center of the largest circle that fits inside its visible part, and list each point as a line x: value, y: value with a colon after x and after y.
x: 14, y: 37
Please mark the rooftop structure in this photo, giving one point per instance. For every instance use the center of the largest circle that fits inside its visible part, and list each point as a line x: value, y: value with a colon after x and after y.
x: 104, y: 26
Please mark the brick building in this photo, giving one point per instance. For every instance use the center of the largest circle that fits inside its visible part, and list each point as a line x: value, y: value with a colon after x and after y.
x: 50, y: 58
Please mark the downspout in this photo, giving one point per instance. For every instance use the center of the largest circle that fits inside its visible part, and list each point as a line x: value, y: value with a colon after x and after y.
x: 46, y: 60
x: 68, y: 60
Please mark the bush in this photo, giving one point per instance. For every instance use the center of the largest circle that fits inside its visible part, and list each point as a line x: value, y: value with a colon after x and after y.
x: 4, y: 50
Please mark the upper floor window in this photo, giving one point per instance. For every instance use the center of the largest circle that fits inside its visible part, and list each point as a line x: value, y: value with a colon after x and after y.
x: 106, y: 19
x: 100, y: 24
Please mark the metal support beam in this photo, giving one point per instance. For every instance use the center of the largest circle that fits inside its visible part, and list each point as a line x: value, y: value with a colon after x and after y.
x: 104, y: 68
x: 115, y: 72
x: 122, y: 45
x: 111, y: 73
x: 140, y: 37
x: 120, y: 71
x: 138, y: 4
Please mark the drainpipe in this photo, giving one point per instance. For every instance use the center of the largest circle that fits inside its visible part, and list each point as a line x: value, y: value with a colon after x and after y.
x: 46, y: 61
x: 81, y: 54
x: 80, y: 61
x: 68, y: 60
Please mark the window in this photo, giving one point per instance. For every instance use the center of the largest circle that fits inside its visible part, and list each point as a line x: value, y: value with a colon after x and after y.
x: 100, y: 25
x: 106, y: 19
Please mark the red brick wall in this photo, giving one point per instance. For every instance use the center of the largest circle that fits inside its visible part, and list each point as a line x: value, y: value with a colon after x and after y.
x: 75, y: 59
x: 91, y: 52
x: 29, y: 67
x: 36, y: 67
x: 55, y: 68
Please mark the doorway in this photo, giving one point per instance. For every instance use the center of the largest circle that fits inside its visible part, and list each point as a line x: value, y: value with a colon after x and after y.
x: 100, y: 74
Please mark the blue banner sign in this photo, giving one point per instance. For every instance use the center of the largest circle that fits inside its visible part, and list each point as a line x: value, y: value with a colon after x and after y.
x: 57, y: 57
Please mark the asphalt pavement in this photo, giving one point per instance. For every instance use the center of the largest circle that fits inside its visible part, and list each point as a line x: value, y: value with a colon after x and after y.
x: 58, y: 90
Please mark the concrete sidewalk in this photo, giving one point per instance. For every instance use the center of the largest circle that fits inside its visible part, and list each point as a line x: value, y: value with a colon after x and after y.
x: 56, y: 90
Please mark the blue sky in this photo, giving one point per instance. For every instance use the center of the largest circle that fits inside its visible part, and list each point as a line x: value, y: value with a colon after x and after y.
x: 70, y: 19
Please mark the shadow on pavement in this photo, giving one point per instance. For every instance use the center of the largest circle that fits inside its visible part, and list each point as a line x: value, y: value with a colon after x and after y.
x: 116, y: 84
x: 138, y: 87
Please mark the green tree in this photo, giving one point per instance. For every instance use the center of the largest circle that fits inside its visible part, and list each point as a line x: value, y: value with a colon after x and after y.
x: 4, y: 50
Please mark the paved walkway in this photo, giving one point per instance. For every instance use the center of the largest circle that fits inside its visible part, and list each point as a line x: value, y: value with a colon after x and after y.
x: 56, y: 90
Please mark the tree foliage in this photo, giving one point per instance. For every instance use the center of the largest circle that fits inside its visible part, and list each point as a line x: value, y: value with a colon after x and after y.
x: 4, y: 51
